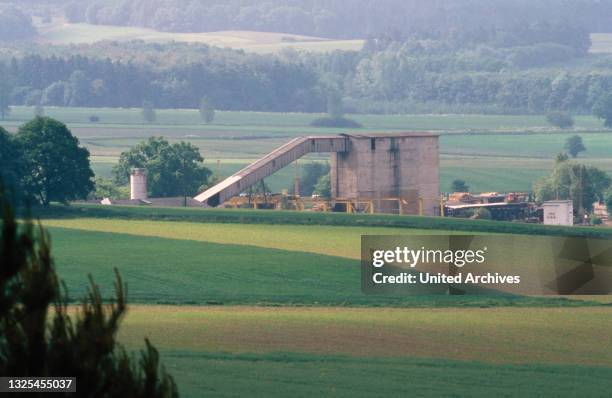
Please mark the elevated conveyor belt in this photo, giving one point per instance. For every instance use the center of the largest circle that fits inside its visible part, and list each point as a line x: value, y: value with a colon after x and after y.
x: 270, y: 164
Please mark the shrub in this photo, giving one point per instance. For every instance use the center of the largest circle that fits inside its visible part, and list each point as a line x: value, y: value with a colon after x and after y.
x: 562, y: 120
x: 335, y: 122
x: 459, y: 186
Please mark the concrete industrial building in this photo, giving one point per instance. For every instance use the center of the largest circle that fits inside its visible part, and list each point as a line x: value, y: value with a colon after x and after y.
x: 377, y: 168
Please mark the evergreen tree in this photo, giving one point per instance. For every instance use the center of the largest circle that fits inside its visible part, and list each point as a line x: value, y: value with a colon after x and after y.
x: 40, y: 337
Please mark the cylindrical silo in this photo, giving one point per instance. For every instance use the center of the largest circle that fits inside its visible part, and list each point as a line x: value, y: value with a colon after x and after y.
x: 138, y: 184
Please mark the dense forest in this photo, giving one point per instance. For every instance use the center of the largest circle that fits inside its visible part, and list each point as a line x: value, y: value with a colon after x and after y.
x: 438, y: 56
x: 403, y: 77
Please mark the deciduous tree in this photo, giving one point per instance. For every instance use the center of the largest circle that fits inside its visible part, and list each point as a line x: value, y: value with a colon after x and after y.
x: 172, y: 169
x: 574, y: 145
x: 56, y: 167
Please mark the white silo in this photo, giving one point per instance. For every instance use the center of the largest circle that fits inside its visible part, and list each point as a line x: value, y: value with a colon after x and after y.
x: 138, y: 184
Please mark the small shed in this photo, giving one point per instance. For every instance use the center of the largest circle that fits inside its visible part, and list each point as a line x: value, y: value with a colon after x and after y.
x: 558, y: 212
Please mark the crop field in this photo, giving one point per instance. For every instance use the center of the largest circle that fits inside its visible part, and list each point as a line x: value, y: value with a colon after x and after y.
x: 495, y: 335
x: 319, y: 239
x: 260, y: 42
x: 186, y: 262
x: 251, y: 121
x: 184, y: 271
x: 365, y: 352
x: 258, y: 308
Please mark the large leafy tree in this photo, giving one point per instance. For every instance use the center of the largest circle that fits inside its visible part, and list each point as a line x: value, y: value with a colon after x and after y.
x: 603, y: 109
x: 11, y: 162
x: 41, y: 337
x: 573, y: 181
x: 574, y: 145
x: 172, y: 169
x: 311, y: 173
x: 57, y: 168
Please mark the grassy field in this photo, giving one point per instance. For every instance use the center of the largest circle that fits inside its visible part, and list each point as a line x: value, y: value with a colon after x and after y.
x: 189, y: 119
x: 267, y: 217
x: 260, y: 42
x: 300, y: 375
x: 178, y: 271
x: 493, y: 335
x: 380, y: 352
x: 303, y: 326
x: 320, y: 239
x: 477, y: 148
x: 198, y: 263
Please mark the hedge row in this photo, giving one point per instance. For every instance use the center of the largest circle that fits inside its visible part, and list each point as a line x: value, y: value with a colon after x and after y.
x: 312, y: 218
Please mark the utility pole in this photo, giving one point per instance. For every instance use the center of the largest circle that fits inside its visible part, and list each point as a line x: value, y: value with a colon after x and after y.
x: 580, y: 211
x: 183, y: 183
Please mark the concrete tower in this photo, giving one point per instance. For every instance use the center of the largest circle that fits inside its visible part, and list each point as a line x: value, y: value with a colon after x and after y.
x: 138, y: 184
x: 399, y: 165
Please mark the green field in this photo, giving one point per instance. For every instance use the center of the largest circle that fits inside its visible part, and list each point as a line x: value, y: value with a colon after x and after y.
x: 264, y: 302
x: 240, y: 261
x: 72, y: 214
x: 181, y: 271
x: 189, y: 119
x: 374, y: 352
x: 477, y: 148
x: 478, y: 334
x: 301, y: 375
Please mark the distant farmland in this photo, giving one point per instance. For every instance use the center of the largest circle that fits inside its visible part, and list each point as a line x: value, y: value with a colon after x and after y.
x: 261, y: 42
x: 476, y: 148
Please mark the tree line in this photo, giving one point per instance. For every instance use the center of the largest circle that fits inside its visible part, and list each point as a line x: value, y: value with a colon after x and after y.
x: 236, y: 82
x: 410, y: 77
x: 44, y: 162
x: 346, y: 18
